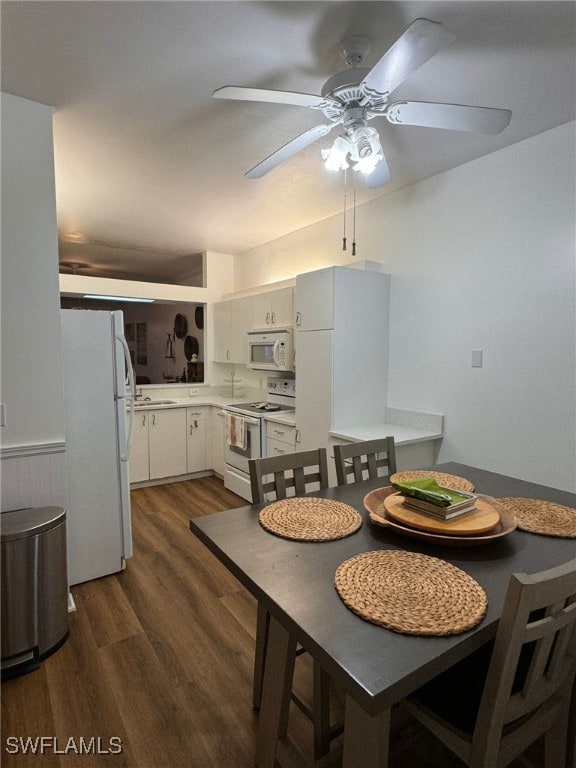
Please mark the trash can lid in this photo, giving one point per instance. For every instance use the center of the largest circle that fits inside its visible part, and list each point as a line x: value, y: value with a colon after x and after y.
x: 22, y: 523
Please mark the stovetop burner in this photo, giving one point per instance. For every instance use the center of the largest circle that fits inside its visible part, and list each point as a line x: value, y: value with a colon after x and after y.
x: 268, y: 407
x: 260, y: 406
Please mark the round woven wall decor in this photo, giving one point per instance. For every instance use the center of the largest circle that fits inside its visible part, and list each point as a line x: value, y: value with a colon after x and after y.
x: 442, y: 478
x: 310, y: 519
x: 544, y: 517
x: 410, y: 593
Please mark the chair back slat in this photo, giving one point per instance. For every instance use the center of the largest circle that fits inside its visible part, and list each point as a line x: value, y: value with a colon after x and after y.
x: 365, y: 459
x: 298, y: 471
x: 535, y: 649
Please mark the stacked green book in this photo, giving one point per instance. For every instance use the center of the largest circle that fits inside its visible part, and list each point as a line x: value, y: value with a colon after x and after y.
x: 427, y: 496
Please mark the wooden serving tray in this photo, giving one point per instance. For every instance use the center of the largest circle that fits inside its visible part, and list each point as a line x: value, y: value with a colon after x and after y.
x: 374, y: 503
x: 484, y: 518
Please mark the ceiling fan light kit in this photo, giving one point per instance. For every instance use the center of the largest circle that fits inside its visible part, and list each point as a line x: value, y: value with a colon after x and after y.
x: 360, y: 144
x: 353, y: 97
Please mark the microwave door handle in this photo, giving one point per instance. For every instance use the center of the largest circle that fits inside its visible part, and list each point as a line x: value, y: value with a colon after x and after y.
x: 277, y: 354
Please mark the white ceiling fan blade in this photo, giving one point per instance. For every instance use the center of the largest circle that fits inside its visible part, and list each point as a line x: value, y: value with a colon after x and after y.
x: 453, y: 117
x: 275, y: 97
x: 289, y: 149
x: 379, y: 176
x: 422, y: 40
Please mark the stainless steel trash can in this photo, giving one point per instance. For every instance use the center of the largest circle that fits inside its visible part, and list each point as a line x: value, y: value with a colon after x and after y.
x: 34, y: 587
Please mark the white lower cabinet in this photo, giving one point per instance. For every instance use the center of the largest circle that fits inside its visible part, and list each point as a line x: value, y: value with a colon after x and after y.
x: 158, y: 445
x: 280, y: 438
x: 217, y: 441
x: 139, y: 463
x: 196, y: 435
x: 167, y: 441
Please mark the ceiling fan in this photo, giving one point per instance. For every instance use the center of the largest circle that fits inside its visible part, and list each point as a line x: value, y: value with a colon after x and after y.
x: 356, y: 95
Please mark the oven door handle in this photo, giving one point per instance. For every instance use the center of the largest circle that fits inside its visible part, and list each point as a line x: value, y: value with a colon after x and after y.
x: 247, y: 419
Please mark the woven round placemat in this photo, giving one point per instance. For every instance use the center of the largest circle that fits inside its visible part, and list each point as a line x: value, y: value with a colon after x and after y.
x: 442, y: 478
x: 410, y: 593
x: 544, y: 517
x: 310, y: 519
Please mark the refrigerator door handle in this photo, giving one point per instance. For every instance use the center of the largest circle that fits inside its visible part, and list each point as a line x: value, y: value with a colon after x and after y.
x: 132, y: 385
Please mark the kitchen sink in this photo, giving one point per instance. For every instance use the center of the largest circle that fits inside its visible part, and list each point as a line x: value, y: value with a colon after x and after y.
x: 141, y: 403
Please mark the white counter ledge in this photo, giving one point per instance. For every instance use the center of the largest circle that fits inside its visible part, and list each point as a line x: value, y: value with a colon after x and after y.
x: 283, y: 417
x: 406, y: 427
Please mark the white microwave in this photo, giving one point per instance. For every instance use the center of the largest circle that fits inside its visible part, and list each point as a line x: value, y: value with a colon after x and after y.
x: 271, y: 350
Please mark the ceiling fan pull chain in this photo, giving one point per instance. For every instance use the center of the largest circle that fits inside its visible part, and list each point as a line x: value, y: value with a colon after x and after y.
x: 344, y: 233
x: 354, y: 218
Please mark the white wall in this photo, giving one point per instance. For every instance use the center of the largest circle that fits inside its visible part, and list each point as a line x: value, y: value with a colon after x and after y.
x: 481, y: 257
x: 31, y: 370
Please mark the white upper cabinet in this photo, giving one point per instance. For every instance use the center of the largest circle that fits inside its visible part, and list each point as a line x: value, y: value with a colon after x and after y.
x: 222, y: 332
x: 274, y: 308
x: 315, y: 300
x: 232, y: 321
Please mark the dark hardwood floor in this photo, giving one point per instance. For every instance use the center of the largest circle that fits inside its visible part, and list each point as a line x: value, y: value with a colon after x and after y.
x: 160, y: 657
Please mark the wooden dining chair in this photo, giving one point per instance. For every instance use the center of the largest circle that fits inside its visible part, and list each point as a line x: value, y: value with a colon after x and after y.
x: 364, y: 459
x: 271, y: 479
x: 276, y: 475
x: 571, y: 749
x: 494, y: 704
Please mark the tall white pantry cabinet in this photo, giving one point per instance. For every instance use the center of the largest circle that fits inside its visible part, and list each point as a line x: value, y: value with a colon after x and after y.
x: 342, y: 340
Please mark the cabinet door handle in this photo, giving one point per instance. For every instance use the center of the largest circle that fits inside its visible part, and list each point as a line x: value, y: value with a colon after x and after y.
x: 196, y: 413
x: 153, y: 419
x: 273, y: 317
x: 279, y: 450
x: 227, y: 354
x: 143, y: 419
x: 278, y: 431
x: 267, y: 318
x: 297, y: 436
x: 298, y: 318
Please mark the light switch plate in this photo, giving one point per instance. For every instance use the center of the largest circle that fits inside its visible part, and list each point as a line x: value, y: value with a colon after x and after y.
x: 476, y: 358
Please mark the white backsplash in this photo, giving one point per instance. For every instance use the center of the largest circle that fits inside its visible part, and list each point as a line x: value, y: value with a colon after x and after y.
x: 432, y: 422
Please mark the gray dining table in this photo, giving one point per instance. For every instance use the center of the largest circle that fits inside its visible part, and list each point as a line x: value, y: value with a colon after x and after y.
x: 375, y: 667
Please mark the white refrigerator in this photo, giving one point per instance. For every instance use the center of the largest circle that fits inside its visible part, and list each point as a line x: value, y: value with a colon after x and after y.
x: 98, y: 405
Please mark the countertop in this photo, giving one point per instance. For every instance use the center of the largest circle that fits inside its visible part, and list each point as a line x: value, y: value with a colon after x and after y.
x: 404, y: 426
x: 284, y: 417
x: 402, y: 435
x: 218, y: 401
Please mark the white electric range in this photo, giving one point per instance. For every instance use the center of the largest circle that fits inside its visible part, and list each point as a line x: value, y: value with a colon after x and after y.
x: 280, y: 397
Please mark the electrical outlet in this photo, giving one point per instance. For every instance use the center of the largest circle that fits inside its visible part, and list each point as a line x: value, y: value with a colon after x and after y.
x: 193, y: 392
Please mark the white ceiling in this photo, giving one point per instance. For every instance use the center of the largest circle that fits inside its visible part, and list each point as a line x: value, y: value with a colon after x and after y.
x: 149, y: 168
